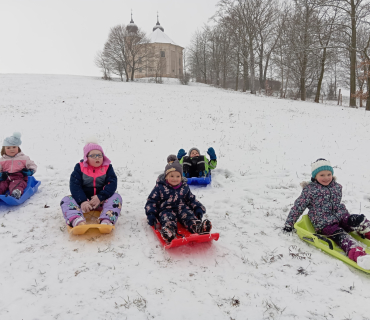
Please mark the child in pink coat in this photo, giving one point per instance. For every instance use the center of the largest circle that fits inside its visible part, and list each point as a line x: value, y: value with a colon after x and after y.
x: 15, y: 167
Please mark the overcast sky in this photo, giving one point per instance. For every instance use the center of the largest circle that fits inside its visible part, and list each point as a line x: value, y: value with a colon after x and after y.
x: 62, y: 36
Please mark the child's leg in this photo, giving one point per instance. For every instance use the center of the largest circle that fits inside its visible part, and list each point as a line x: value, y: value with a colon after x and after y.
x: 340, y: 237
x: 4, y: 185
x: 187, y: 166
x: 111, y: 209
x: 356, y: 222
x: 200, y: 165
x: 189, y: 220
x: 167, y: 218
x: 71, y: 210
x: 168, y: 221
x: 18, y: 181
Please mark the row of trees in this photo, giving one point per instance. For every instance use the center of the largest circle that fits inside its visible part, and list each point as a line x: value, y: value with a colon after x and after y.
x: 125, y: 52
x: 301, y: 43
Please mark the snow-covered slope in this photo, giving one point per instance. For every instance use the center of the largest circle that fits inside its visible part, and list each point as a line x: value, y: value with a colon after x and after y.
x: 264, y: 147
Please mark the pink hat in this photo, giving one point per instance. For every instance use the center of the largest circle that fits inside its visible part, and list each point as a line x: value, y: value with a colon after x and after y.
x: 94, y: 146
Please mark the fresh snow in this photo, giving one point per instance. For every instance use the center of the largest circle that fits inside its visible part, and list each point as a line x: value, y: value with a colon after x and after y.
x: 264, y: 146
x: 158, y: 36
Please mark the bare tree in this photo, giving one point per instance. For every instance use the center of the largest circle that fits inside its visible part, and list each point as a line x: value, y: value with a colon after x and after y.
x: 102, y: 63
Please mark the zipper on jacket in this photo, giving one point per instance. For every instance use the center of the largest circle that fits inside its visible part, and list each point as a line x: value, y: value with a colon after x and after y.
x: 94, y: 184
x: 332, y: 206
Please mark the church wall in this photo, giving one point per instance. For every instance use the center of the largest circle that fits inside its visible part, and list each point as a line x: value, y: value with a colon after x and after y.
x: 172, y: 63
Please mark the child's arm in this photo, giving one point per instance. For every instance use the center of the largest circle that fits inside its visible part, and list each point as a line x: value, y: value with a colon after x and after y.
x: 300, y: 205
x: 154, y: 198
x: 30, y: 165
x: 111, y: 185
x: 75, y: 185
x: 197, y: 207
x: 212, y: 164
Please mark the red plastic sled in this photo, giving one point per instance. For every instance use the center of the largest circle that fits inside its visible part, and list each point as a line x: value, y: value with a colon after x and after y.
x: 187, y: 237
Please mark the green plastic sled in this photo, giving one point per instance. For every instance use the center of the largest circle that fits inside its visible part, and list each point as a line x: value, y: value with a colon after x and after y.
x: 306, y: 232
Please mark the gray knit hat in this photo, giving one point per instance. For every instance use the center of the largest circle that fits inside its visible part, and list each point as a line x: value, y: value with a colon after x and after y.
x: 192, y: 150
x: 172, y: 165
x: 14, y: 140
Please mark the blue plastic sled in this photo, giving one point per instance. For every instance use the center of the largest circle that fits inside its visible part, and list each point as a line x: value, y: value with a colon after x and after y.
x: 32, y: 186
x: 200, y: 181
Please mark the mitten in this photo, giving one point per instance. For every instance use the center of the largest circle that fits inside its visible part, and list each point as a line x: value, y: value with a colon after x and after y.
x: 212, y: 153
x: 27, y: 172
x: 287, y: 229
x: 181, y: 154
x: 4, y: 175
x: 152, y: 220
x: 198, y: 213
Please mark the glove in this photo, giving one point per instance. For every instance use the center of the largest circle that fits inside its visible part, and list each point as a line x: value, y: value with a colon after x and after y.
x: 181, y: 154
x: 4, y: 175
x: 198, y: 213
x: 27, y: 172
x: 152, y: 220
x: 287, y: 229
x: 212, y: 153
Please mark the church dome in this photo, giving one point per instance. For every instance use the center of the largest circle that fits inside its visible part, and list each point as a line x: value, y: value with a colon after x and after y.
x: 132, y: 27
x: 158, y: 26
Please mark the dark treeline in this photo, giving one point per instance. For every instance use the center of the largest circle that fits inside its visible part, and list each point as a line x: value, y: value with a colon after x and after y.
x: 308, y: 47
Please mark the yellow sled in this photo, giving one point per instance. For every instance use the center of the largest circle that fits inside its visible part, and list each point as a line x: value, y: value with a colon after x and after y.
x: 91, y: 219
x: 306, y: 232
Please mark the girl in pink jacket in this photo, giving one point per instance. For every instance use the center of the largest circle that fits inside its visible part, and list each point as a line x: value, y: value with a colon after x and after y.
x: 15, y: 167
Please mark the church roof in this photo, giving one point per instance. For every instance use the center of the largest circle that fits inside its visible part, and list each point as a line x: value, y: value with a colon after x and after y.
x: 158, y: 36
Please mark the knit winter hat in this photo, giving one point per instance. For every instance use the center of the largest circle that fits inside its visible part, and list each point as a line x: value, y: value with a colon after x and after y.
x: 321, y: 165
x: 94, y: 146
x: 172, y: 165
x: 14, y: 140
x: 192, y: 150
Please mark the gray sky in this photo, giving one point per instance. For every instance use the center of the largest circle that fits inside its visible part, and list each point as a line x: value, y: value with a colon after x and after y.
x: 62, y: 37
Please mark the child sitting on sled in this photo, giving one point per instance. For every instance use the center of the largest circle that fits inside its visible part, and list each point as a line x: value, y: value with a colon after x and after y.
x: 93, y: 184
x: 171, y: 200
x: 15, y: 167
x: 197, y: 165
x: 322, y: 196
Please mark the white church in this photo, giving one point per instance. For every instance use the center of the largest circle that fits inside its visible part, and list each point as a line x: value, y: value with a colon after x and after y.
x: 168, y: 55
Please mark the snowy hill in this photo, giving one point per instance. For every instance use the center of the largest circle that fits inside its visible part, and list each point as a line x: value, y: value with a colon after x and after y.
x: 264, y: 147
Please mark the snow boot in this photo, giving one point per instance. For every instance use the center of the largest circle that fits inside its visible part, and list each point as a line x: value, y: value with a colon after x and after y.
x: 107, y: 222
x: 205, y: 227
x: 355, y: 253
x: 16, y: 193
x: 364, y: 262
x: 78, y: 222
x: 168, y: 234
x: 195, y: 227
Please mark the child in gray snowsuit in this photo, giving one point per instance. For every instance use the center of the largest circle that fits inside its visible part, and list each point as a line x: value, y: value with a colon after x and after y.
x: 322, y: 196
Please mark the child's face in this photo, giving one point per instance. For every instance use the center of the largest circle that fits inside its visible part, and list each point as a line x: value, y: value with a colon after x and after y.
x: 174, y: 178
x: 11, y: 151
x: 194, y: 153
x: 324, y: 177
x: 95, y: 158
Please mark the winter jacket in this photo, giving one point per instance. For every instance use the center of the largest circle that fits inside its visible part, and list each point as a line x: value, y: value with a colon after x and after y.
x: 323, y: 203
x: 86, y: 182
x: 16, y: 163
x: 165, y: 197
x: 209, y: 164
